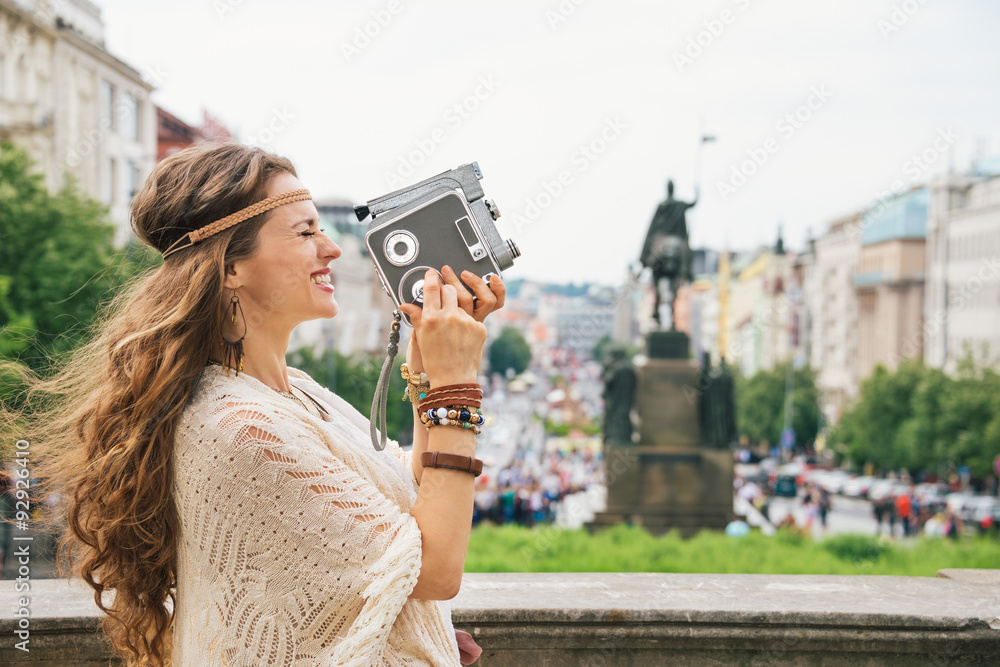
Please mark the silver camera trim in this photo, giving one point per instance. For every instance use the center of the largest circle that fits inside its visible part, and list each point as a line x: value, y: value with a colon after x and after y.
x: 391, y: 254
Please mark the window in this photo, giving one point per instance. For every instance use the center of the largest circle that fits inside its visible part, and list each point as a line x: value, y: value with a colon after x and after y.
x: 130, y: 117
x: 108, y: 187
x: 107, y: 94
x: 134, y: 179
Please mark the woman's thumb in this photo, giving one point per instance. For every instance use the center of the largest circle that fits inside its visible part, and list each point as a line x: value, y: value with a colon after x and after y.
x: 412, y: 312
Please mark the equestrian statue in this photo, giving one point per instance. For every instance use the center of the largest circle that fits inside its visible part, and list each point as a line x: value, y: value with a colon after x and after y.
x: 666, y: 250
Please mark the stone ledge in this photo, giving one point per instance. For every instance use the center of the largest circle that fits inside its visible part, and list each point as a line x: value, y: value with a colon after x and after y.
x: 978, y: 577
x: 646, y: 619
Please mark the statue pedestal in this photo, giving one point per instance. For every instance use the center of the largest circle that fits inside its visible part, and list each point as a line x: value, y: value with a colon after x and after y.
x: 670, y: 479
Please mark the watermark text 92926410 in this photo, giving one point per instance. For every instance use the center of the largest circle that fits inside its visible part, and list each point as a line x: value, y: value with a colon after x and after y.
x: 22, y: 541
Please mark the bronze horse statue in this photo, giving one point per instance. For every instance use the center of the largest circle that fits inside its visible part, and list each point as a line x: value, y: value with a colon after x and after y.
x: 666, y: 249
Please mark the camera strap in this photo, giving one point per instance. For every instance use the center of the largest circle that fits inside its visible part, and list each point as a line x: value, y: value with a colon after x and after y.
x: 382, y: 388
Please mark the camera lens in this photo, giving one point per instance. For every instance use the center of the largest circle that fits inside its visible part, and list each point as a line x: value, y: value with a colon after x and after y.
x: 400, y: 248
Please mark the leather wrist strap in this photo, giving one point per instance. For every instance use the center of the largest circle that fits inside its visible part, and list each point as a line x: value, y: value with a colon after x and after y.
x: 452, y: 462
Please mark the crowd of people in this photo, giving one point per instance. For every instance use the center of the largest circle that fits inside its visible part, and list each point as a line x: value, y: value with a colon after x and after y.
x: 529, y: 490
x: 911, y: 516
x: 899, y: 514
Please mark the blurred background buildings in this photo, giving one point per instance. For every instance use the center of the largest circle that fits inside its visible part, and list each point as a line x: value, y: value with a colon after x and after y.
x: 914, y: 275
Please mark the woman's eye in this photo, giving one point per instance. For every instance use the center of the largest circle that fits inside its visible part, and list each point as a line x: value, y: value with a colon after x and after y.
x: 313, y: 233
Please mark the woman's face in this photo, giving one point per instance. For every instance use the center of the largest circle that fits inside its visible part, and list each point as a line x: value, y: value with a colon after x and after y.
x: 288, y: 278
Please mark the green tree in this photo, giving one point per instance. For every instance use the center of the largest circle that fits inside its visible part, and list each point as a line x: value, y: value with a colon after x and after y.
x: 509, y: 350
x: 919, y: 439
x: 354, y: 379
x: 970, y: 412
x: 871, y: 429
x: 57, y: 263
x: 923, y: 420
x: 600, y: 349
x: 760, y: 404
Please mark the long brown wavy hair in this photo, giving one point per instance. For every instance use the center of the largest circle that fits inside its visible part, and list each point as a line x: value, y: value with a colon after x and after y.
x: 102, y: 426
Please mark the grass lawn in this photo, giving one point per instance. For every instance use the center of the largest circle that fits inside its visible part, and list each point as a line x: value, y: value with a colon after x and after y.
x: 630, y: 549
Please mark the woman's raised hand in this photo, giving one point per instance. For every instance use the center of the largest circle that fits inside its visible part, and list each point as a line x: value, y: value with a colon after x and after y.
x: 489, y: 297
x: 450, y: 335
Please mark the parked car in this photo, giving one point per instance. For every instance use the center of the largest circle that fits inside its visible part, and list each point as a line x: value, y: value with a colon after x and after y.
x: 834, y: 481
x: 977, y: 509
x: 930, y: 493
x: 784, y: 485
x: 885, y: 488
x: 857, y: 487
x: 957, y: 501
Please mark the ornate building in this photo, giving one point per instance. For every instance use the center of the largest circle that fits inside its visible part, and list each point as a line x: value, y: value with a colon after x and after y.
x: 81, y: 113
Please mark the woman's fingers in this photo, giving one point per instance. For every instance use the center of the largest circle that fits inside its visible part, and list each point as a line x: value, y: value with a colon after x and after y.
x: 432, y: 291
x: 464, y: 296
x: 413, y: 312
x: 449, y: 297
x: 500, y: 290
x: 487, y: 295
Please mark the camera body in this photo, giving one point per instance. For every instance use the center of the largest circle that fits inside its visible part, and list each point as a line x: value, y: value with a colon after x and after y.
x: 442, y: 220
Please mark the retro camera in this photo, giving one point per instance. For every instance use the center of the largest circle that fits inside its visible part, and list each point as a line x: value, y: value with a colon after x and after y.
x: 442, y: 220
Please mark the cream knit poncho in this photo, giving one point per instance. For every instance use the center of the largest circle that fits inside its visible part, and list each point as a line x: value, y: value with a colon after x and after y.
x: 297, y: 546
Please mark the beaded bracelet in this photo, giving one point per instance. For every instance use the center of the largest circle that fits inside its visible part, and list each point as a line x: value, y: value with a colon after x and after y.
x: 462, y: 416
x: 453, y: 413
x: 417, y: 385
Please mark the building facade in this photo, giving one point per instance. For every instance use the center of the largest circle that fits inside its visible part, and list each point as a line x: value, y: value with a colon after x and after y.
x: 82, y: 114
x: 962, y: 296
x: 833, y: 308
x: 889, y: 282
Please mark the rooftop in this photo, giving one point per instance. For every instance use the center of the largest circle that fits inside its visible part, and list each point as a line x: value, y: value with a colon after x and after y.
x: 902, y: 217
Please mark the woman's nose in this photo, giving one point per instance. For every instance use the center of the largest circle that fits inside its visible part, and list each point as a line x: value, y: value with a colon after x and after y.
x: 334, y: 250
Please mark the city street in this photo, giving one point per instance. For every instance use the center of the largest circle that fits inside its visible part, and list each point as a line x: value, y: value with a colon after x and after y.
x: 847, y: 515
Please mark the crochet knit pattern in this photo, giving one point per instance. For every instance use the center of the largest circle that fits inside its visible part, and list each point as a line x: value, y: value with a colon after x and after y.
x: 297, y: 545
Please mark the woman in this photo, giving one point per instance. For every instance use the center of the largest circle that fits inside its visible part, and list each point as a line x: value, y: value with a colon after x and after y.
x: 193, y: 458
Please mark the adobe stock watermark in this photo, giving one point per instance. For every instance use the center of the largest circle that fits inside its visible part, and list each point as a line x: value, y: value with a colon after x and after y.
x: 913, y: 345
x: 786, y: 127
x: 899, y: 16
x: 768, y: 317
x: 279, y: 121
x: 453, y: 118
x: 364, y: 34
x: 579, y: 161
x: 698, y: 43
x: 223, y: 7
x: 914, y: 169
x: 44, y: 13
x: 562, y: 12
x: 21, y: 556
x: 618, y: 461
x: 120, y: 110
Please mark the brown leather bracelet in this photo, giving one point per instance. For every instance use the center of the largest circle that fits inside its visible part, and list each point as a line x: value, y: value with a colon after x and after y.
x: 452, y: 462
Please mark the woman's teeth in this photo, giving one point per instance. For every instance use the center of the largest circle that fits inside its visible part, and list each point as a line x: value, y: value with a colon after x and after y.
x: 321, y: 279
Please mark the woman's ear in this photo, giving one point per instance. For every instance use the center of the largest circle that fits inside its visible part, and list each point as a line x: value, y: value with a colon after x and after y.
x: 232, y: 280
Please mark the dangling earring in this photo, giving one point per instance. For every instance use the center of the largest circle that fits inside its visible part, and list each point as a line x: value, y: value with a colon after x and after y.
x: 233, y: 355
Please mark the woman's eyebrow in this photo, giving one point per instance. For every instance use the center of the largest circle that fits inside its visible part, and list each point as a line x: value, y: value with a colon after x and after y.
x: 306, y: 221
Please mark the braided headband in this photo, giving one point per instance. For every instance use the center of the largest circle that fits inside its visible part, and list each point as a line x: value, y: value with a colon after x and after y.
x: 225, y: 223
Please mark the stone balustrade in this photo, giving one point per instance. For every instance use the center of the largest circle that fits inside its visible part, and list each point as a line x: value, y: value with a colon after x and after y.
x: 642, y: 619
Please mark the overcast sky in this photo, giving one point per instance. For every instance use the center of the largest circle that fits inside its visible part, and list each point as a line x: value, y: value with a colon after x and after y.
x: 832, y: 99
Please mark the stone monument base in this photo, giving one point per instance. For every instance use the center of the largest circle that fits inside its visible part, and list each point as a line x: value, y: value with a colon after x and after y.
x: 662, y: 488
x: 671, y: 479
